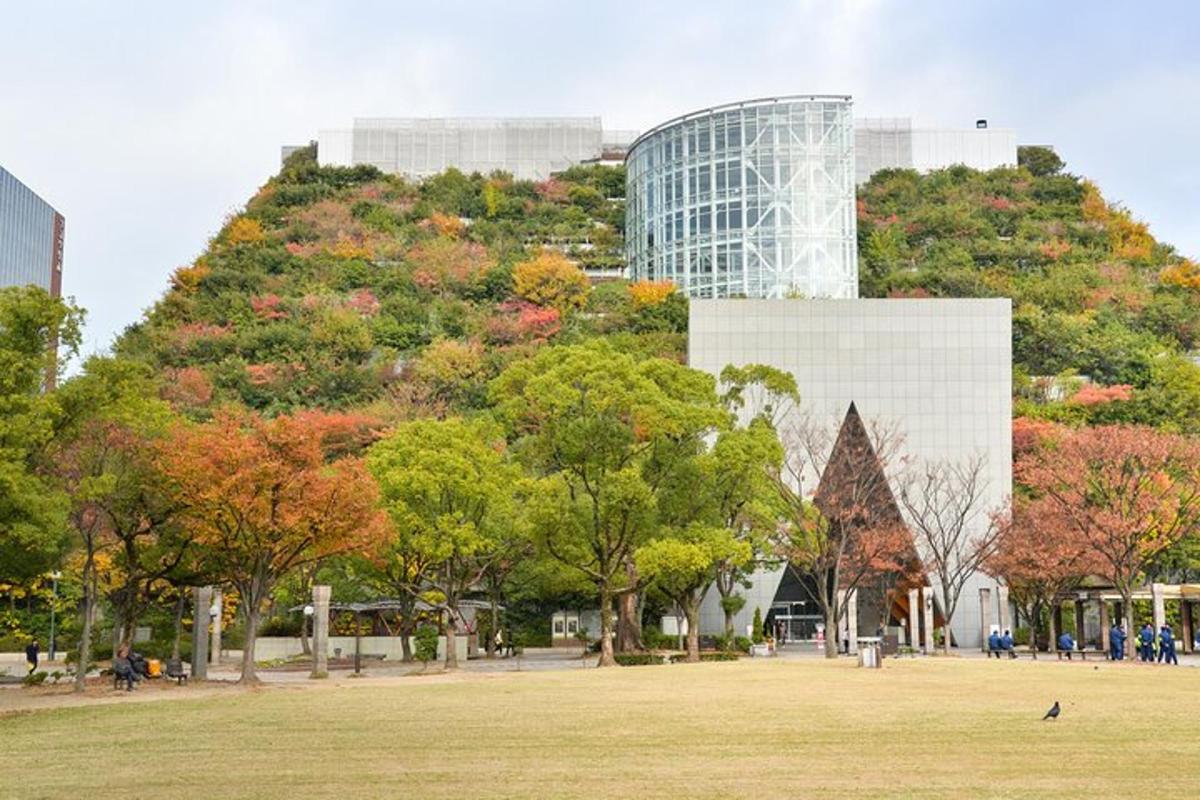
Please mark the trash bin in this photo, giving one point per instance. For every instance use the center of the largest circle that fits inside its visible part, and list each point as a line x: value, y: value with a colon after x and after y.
x: 869, y: 656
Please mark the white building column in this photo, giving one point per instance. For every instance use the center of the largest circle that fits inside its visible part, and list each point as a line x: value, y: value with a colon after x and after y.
x: 201, y: 600
x: 320, y: 631
x: 1005, y: 608
x: 985, y: 617
x: 914, y: 618
x: 1158, y: 598
x: 214, y: 651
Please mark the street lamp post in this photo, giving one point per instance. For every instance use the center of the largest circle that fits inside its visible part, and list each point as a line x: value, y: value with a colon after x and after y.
x: 54, y: 576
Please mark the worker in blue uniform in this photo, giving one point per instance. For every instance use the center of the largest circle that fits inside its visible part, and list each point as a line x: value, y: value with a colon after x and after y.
x: 1116, y: 642
x: 1006, y: 644
x: 1146, y: 643
x: 1066, y: 644
x: 1166, y: 646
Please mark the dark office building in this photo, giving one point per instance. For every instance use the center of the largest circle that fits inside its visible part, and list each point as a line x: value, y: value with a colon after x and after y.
x: 31, y: 238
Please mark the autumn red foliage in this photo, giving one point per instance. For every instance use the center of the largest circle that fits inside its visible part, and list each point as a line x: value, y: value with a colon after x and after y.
x: 1039, y: 555
x: 268, y: 306
x: 1127, y: 492
x: 1094, y: 395
x: 265, y: 496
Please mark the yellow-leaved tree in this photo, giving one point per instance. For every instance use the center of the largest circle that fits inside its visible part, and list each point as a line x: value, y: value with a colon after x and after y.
x: 550, y: 280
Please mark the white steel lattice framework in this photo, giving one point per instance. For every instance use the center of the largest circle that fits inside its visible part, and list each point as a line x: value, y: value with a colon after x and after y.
x: 752, y: 199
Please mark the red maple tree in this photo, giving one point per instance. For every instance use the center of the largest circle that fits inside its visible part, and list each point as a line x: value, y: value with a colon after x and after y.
x: 1128, y: 492
x: 1039, y: 555
x: 267, y: 496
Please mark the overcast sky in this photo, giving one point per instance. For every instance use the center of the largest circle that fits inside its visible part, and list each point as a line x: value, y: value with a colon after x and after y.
x: 147, y: 123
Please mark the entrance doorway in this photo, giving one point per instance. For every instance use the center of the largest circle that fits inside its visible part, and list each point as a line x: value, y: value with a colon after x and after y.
x: 795, y: 622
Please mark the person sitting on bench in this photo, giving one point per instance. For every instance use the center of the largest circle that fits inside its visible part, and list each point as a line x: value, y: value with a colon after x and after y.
x: 123, y: 669
x: 1006, y: 644
x: 1066, y: 644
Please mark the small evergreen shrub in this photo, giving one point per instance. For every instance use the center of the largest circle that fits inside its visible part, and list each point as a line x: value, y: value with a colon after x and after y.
x: 427, y: 644
x: 35, y: 678
x: 637, y: 659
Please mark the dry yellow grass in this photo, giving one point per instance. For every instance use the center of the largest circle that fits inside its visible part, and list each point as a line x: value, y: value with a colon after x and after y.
x: 919, y: 728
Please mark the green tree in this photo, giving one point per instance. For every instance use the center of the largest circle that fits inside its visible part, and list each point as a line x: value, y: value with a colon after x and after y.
x: 1039, y: 160
x: 112, y: 424
x: 684, y: 567
x: 449, y: 492
x: 599, y: 429
x: 37, y: 334
x: 741, y: 461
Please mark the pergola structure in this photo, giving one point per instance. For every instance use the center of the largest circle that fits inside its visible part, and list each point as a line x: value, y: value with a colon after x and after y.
x: 468, y: 610
x: 1187, y: 594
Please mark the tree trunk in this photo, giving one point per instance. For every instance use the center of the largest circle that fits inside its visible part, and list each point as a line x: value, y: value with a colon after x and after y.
x: 451, y: 641
x: 305, y: 646
x: 947, y: 615
x: 832, y: 632
x: 1053, y: 630
x: 252, y: 602
x: 494, y: 618
x: 606, y: 643
x: 1127, y: 608
x: 629, y: 623
x: 85, y: 636
x: 249, y: 676
x: 129, y: 625
x: 629, y: 617
x: 1034, y: 624
x: 179, y: 607
x: 692, y: 613
x: 406, y: 631
x: 729, y: 634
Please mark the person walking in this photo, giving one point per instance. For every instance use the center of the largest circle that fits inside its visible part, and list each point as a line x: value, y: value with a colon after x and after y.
x: 31, y: 655
x: 1006, y: 644
x: 1116, y: 642
x: 1066, y: 644
x: 994, y: 644
x: 1146, y: 643
x: 1166, y: 646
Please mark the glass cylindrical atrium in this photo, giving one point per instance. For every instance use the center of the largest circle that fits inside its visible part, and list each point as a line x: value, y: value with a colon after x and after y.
x: 752, y: 199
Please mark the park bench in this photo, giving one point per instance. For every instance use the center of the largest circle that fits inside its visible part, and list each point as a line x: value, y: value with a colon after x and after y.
x: 174, y: 670
x: 1084, y: 653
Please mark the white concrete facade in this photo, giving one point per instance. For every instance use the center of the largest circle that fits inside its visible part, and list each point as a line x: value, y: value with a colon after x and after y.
x: 529, y: 148
x: 895, y: 143
x: 940, y: 371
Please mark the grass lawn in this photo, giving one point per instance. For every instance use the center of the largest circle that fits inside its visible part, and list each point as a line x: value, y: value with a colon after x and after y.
x: 917, y: 728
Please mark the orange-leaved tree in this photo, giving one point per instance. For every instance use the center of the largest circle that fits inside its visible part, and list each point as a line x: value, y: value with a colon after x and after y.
x: 1039, y: 555
x: 266, y: 496
x: 650, y: 293
x: 1129, y: 492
